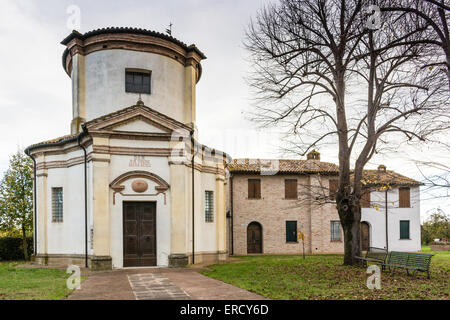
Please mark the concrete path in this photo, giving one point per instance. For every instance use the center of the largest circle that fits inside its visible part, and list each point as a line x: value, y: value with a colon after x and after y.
x: 157, y: 284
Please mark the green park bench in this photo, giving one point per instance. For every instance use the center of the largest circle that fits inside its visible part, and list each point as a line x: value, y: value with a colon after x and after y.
x: 408, y: 261
x: 375, y: 255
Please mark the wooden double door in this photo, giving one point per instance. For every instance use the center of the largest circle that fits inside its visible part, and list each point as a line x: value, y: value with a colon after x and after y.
x: 139, y: 234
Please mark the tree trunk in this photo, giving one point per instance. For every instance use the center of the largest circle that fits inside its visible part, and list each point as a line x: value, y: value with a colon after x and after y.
x: 349, y: 214
x: 25, y: 244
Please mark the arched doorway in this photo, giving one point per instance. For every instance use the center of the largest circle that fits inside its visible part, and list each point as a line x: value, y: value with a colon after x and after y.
x: 365, y: 236
x: 254, y: 238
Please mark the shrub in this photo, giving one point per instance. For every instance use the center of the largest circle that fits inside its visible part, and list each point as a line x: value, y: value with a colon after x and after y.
x: 12, y: 249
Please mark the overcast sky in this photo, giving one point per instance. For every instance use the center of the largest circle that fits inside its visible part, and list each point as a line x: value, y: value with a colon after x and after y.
x: 35, y: 92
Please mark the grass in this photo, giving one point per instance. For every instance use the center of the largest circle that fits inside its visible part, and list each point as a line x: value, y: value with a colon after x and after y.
x: 32, y: 284
x: 324, y: 277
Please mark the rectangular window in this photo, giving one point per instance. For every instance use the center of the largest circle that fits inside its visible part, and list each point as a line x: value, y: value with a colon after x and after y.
x: 335, y: 231
x: 333, y: 187
x: 138, y: 82
x: 291, y: 231
x: 290, y: 189
x: 209, y: 206
x: 254, y: 188
x: 365, y: 199
x: 404, y: 229
x: 57, y: 204
x: 404, y: 198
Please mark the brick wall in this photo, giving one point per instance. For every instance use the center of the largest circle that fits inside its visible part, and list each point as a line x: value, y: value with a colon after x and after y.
x: 272, y: 211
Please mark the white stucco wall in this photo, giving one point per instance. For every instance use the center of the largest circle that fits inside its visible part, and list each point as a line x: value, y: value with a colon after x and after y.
x: 376, y: 219
x: 66, y: 237
x: 105, y: 83
x: 160, y: 167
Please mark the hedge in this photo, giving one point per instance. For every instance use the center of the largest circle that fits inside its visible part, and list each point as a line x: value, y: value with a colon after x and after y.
x: 12, y: 249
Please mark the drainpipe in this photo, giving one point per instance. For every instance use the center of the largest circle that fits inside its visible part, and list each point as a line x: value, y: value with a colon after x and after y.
x: 232, y: 213
x: 386, y: 217
x: 27, y: 152
x: 194, y: 153
x: 85, y: 198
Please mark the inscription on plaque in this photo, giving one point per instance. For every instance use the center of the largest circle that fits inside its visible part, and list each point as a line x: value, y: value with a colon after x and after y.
x: 139, y: 161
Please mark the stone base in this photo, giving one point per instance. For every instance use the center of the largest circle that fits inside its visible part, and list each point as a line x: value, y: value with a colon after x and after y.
x: 63, y: 260
x: 178, y: 260
x: 209, y: 257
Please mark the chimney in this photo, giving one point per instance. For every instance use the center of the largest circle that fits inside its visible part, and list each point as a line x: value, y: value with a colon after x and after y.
x: 381, y: 168
x: 313, y: 155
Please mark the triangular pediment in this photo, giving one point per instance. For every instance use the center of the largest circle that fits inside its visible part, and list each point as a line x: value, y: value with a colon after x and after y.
x: 138, y: 119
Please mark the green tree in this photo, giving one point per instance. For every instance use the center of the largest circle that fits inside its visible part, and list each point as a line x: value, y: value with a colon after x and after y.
x: 436, y: 227
x: 16, y: 198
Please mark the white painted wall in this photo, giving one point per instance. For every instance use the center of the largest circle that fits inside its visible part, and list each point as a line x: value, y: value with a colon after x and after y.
x: 105, y: 83
x: 160, y: 167
x: 376, y: 219
x: 66, y: 237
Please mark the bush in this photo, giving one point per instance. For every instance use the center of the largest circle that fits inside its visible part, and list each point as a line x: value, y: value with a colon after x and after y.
x: 12, y: 249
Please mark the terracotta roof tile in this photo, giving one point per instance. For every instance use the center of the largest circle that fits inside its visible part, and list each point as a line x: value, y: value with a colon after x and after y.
x: 282, y: 166
x: 285, y: 166
x: 62, y: 139
x: 388, y: 177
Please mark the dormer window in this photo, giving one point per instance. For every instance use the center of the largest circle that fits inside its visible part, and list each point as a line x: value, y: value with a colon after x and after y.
x: 138, y: 81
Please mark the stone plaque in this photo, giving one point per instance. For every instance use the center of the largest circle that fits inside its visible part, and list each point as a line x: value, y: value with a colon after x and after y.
x: 139, y: 186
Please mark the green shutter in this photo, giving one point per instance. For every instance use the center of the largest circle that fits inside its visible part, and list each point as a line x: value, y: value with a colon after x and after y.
x: 291, y: 231
x: 404, y: 229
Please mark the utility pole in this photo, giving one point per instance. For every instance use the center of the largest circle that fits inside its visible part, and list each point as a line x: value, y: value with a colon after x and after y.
x: 386, y: 217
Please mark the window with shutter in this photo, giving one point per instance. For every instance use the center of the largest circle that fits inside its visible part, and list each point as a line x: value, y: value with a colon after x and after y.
x: 404, y: 229
x: 291, y: 231
x: 254, y: 188
x: 138, y: 81
x: 333, y: 187
x: 290, y: 189
x: 404, y: 198
x: 365, y: 199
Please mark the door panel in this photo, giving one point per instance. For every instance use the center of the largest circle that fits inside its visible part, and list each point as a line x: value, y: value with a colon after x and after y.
x: 139, y: 234
x: 254, y: 238
x: 365, y: 236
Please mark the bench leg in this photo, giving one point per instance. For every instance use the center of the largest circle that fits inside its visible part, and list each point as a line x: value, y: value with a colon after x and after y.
x: 392, y: 271
x: 407, y: 272
x: 429, y: 277
x: 414, y: 274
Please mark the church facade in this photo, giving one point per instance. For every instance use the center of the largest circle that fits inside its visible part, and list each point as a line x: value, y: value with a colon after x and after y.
x: 131, y: 186
x: 119, y: 191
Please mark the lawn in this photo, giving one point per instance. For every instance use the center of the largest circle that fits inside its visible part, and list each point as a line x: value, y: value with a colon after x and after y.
x: 32, y: 284
x: 324, y: 277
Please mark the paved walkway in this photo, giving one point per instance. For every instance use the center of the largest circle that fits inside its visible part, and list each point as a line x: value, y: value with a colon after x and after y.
x: 157, y: 284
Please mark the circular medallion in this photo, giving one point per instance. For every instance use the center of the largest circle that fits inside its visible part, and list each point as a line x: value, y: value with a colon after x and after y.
x: 139, y: 186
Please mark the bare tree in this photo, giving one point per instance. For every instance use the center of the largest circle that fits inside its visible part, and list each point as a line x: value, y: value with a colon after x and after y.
x: 324, y: 77
x: 436, y: 14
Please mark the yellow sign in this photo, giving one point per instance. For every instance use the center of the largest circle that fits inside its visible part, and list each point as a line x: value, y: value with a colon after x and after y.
x: 301, y: 236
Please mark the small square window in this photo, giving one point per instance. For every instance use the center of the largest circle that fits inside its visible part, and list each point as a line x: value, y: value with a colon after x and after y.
x: 138, y: 81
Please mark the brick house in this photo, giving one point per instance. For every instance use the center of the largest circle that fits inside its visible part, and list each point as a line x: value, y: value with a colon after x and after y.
x: 271, y: 201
